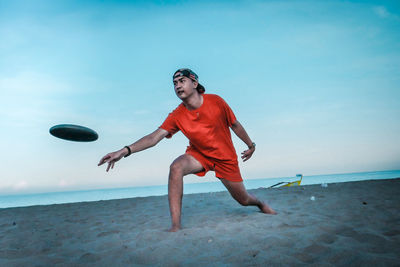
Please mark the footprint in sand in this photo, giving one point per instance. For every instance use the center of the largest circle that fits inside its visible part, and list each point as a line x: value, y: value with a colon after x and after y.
x: 108, y: 233
x: 89, y: 257
x: 392, y: 233
x: 326, y: 238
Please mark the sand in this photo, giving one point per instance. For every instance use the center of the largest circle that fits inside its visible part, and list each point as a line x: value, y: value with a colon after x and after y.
x: 355, y: 223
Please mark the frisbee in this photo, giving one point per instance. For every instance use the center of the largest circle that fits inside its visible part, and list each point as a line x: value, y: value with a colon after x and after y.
x: 73, y: 132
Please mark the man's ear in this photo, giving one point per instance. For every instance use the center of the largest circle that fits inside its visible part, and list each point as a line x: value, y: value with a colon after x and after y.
x: 196, y: 83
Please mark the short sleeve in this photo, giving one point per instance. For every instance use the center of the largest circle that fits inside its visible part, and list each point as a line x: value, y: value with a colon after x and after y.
x: 170, y: 125
x: 230, y: 116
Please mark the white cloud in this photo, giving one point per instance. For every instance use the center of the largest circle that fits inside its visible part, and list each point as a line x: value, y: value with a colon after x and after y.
x: 20, y: 185
x: 381, y: 11
x: 65, y: 183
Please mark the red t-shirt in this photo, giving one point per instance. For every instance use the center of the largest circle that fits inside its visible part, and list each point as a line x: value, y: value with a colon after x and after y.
x: 207, y: 127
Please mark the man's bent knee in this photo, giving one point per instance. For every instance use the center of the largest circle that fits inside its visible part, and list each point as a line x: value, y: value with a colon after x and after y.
x: 175, y: 173
x: 185, y: 165
x: 175, y: 170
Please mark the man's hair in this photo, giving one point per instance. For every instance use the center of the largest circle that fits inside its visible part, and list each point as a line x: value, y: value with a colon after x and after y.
x: 191, y: 75
x: 200, y: 88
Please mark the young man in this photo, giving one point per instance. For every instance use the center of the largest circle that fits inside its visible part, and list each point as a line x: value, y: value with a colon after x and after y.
x: 206, y: 121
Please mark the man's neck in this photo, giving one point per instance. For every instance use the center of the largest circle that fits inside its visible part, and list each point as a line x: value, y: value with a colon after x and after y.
x: 193, y: 102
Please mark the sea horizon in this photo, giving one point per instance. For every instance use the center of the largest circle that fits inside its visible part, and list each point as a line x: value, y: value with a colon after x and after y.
x: 76, y: 196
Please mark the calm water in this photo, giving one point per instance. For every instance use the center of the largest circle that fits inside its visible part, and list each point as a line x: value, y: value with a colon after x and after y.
x: 119, y: 193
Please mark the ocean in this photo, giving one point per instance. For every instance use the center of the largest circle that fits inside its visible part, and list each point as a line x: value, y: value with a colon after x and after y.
x: 9, y: 201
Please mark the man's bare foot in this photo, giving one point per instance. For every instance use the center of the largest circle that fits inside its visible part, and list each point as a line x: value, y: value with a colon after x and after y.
x: 174, y: 229
x: 266, y: 209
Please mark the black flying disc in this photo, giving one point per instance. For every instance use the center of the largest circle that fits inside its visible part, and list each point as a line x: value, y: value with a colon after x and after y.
x: 73, y: 132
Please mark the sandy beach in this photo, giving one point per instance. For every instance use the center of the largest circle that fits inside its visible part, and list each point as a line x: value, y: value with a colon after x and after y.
x: 355, y: 223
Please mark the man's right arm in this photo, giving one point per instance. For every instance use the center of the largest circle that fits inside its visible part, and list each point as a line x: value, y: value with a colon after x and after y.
x: 142, y: 144
x: 147, y: 141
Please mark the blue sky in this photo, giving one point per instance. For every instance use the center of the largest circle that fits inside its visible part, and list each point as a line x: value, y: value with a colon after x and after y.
x: 315, y: 83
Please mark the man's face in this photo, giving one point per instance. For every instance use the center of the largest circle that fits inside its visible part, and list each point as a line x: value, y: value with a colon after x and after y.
x: 184, y: 87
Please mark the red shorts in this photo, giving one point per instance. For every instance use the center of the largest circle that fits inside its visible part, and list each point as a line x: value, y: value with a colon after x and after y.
x: 225, y: 169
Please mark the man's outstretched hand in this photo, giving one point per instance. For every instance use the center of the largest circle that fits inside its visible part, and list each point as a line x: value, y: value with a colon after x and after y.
x: 111, y: 158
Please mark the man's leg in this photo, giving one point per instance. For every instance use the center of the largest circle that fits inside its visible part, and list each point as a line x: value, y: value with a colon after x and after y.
x: 183, y: 165
x: 239, y: 193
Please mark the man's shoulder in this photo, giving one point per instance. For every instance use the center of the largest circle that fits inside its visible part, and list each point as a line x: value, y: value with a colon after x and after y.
x: 213, y: 97
x: 177, y: 110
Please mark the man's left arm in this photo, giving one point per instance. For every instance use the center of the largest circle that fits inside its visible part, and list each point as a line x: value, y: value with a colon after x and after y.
x: 238, y: 129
